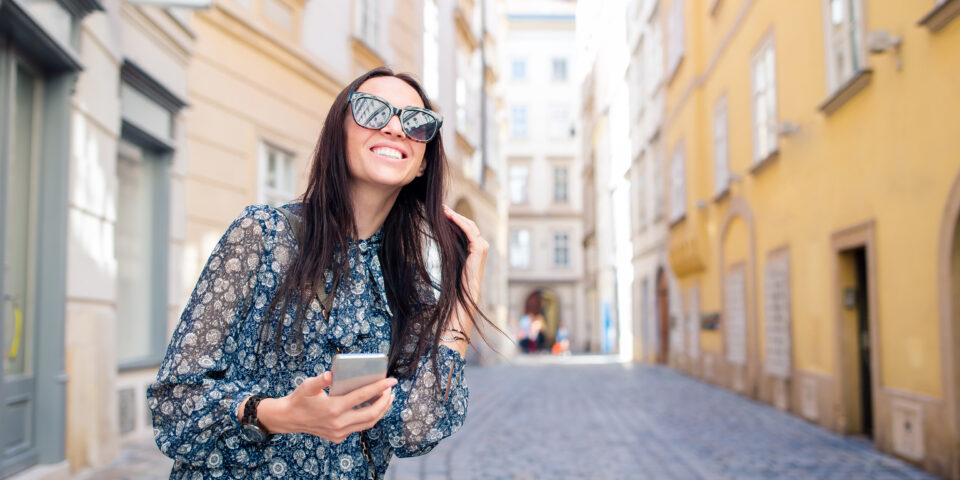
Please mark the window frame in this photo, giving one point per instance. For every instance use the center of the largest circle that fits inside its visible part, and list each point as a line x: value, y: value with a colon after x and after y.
x: 518, y: 62
x: 515, y: 131
x: 559, y: 61
x: 765, y: 51
x: 721, y: 166
x: 523, y: 190
x: 557, y: 198
x: 516, y: 244
x: 264, y: 192
x: 854, y: 43
x: 678, y: 190
x: 160, y: 162
x: 676, y: 41
x: 557, y: 236
x: 559, y: 122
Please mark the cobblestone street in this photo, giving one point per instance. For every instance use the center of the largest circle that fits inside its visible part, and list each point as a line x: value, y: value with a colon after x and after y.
x: 572, y: 420
x: 613, y: 421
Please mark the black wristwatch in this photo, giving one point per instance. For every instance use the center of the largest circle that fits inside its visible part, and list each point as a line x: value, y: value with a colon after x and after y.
x: 250, y: 428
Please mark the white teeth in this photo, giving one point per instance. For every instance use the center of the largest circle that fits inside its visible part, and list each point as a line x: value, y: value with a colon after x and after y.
x: 388, y: 152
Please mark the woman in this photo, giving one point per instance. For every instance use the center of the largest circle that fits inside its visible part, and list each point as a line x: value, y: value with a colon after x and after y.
x: 240, y: 393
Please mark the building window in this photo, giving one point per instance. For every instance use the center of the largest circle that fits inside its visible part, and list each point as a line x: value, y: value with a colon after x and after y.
x: 277, y: 182
x: 518, y: 122
x: 140, y: 242
x: 776, y: 304
x: 519, y: 69
x: 520, y: 249
x: 721, y: 164
x: 678, y: 188
x: 560, y: 185
x: 518, y: 184
x: 461, y: 104
x: 642, y: 195
x: 561, y: 250
x: 653, y: 53
x: 637, y: 98
x: 431, y: 49
x: 764, y: 82
x: 558, y: 126
x: 368, y: 23
x: 843, y: 30
x: 658, y: 182
x: 675, y: 45
x: 559, y: 69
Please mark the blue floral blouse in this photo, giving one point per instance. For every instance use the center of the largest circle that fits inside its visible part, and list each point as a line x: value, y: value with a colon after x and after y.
x: 211, y: 366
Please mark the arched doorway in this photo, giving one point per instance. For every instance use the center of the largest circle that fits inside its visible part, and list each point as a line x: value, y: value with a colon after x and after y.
x: 543, y: 305
x: 736, y: 261
x: 663, y: 318
x: 948, y: 279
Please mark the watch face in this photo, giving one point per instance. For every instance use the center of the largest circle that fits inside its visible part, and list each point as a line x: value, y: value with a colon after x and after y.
x: 252, y: 433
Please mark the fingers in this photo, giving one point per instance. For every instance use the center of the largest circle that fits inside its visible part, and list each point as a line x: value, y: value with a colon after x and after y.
x: 469, y: 227
x: 365, y: 418
x: 315, y: 385
x: 367, y: 392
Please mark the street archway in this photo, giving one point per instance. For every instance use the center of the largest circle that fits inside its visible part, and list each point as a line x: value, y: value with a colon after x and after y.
x: 543, y: 305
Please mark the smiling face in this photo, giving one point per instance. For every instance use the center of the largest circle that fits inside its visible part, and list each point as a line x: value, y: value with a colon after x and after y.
x: 386, y: 157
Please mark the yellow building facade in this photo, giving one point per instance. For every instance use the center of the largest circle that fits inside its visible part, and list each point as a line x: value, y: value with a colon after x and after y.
x: 813, y: 190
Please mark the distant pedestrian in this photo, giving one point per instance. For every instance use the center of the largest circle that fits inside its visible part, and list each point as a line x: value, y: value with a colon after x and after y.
x: 562, y: 344
x: 523, y: 333
x: 536, y: 333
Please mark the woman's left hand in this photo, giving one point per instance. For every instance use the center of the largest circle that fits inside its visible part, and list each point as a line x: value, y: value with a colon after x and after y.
x: 476, y: 258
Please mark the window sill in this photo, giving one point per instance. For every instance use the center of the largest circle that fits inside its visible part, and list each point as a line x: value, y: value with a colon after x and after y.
x: 674, y: 72
x: 846, y: 91
x: 941, y: 15
x: 678, y: 220
x: 723, y: 194
x: 764, y: 162
x: 140, y: 364
x: 714, y: 5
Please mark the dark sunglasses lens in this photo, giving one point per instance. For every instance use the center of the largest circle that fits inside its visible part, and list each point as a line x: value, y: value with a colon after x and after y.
x: 419, y: 125
x: 370, y: 112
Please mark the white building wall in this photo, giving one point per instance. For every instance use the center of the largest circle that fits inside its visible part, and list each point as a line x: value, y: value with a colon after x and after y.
x: 537, y: 34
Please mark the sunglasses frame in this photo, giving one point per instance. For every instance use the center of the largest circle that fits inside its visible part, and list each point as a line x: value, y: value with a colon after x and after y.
x: 395, y: 111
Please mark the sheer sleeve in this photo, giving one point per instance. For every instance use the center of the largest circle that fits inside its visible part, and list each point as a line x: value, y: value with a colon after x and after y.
x: 429, y: 406
x: 205, y: 373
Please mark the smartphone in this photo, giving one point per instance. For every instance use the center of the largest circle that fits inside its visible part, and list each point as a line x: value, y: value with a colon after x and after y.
x: 354, y: 370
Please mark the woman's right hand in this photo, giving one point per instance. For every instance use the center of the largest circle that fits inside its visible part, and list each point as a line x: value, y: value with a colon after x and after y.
x: 309, y: 409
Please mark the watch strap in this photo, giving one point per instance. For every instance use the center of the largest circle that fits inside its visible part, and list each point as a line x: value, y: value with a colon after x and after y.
x: 250, y: 411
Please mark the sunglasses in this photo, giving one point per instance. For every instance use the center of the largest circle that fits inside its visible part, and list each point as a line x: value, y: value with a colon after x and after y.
x: 373, y: 112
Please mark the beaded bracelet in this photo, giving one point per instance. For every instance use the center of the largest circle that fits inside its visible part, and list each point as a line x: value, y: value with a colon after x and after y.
x: 459, y: 336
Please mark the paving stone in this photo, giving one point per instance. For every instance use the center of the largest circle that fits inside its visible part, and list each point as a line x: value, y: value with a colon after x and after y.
x: 601, y: 421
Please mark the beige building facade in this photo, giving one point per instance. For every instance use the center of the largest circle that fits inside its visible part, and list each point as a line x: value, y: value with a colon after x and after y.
x: 540, y: 153
x: 657, y: 328
x: 93, y: 164
x: 608, y: 272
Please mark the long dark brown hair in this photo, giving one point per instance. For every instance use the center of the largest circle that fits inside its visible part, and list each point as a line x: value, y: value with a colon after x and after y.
x: 419, y: 320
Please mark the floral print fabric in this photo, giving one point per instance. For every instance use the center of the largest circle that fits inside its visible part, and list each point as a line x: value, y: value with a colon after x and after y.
x: 212, y: 365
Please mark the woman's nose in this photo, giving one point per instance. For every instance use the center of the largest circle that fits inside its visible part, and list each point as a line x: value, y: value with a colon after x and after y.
x: 393, y: 127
